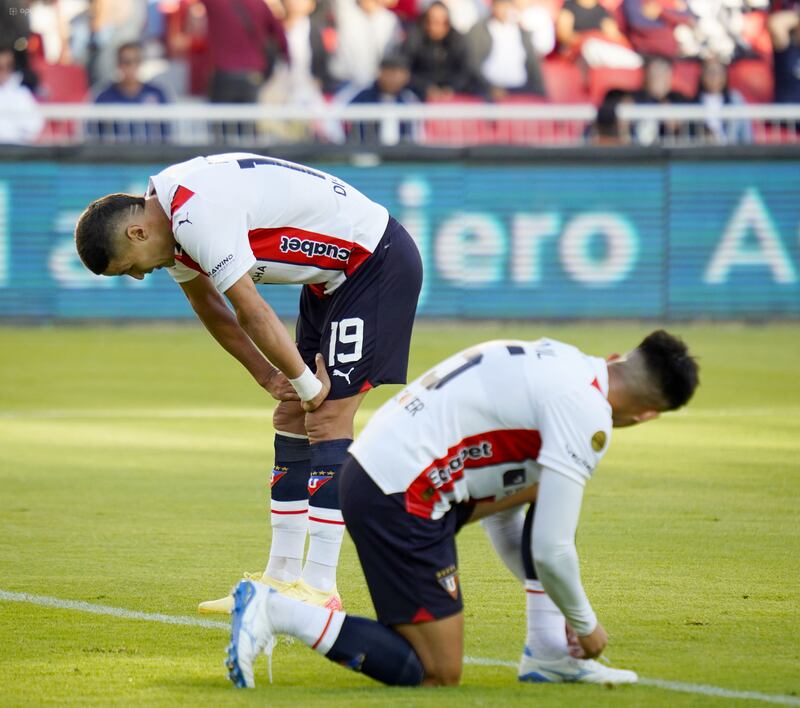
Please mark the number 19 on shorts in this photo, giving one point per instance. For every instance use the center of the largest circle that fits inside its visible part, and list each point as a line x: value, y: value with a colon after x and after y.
x: 347, y: 335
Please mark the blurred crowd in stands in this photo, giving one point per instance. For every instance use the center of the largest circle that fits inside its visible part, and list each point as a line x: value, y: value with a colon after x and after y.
x: 307, y: 52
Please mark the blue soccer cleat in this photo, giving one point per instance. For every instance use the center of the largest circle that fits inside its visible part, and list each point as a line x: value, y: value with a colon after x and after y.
x: 251, y: 633
x: 567, y: 669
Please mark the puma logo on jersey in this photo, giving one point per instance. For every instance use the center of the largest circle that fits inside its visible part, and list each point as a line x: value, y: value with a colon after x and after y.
x: 314, y: 248
x: 346, y: 376
x: 181, y: 222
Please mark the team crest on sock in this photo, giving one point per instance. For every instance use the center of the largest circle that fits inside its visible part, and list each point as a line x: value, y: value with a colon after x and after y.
x: 277, y: 472
x: 318, y: 480
x: 448, y: 579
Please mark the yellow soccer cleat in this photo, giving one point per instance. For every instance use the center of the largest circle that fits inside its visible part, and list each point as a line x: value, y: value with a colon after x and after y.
x: 224, y: 606
x: 301, y: 590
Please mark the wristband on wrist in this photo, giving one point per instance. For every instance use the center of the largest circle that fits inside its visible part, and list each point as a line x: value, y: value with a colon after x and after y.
x: 307, y: 385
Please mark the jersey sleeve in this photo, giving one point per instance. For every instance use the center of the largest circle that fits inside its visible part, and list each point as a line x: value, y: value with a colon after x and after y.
x: 214, y: 237
x: 576, y: 429
x: 558, y: 508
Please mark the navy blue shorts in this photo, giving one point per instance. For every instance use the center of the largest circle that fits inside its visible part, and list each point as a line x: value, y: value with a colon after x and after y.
x: 364, y: 328
x: 410, y: 563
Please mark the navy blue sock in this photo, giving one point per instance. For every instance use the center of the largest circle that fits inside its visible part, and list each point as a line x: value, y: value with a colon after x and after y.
x: 326, y: 460
x: 376, y: 650
x: 289, y: 480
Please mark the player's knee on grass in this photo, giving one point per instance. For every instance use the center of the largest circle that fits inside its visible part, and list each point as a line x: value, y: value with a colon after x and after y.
x: 444, y: 675
x: 439, y: 646
x: 289, y: 417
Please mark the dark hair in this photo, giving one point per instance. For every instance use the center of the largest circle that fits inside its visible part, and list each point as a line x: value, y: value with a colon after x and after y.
x: 394, y: 61
x: 437, y: 3
x: 658, y: 59
x: 126, y: 46
x: 675, y: 370
x: 94, y: 233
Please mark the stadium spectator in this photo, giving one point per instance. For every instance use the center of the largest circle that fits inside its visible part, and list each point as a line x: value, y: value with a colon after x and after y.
x: 113, y: 23
x: 608, y: 128
x: 500, y: 56
x: 585, y: 28
x: 129, y: 89
x: 244, y: 40
x: 304, y: 73
x: 47, y: 21
x: 537, y: 21
x: 717, y: 31
x: 20, y: 120
x: 652, y: 24
x: 464, y: 14
x: 391, y: 86
x: 308, y: 59
x: 784, y: 30
x: 657, y: 90
x: 302, y: 80
x: 15, y: 32
x: 713, y: 93
x: 186, y: 42
x: 436, y: 55
x: 366, y: 32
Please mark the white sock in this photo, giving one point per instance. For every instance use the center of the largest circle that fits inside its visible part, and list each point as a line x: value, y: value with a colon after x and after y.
x: 547, y: 628
x: 289, y: 527
x: 326, y: 531
x: 315, y: 626
x: 505, y: 533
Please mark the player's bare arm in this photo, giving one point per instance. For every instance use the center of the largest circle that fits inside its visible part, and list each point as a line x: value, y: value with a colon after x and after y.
x: 488, y: 508
x: 222, y: 324
x: 262, y: 326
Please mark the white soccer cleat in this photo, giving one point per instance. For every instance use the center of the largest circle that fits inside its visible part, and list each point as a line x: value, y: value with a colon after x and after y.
x: 251, y: 632
x: 568, y: 669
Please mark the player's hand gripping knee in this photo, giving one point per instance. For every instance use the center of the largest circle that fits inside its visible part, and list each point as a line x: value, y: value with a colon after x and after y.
x: 322, y: 374
x: 592, y: 645
x: 279, y: 387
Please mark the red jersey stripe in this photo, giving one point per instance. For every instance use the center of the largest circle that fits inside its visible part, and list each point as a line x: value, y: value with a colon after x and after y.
x: 299, y: 247
x: 502, y: 446
x: 181, y: 196
x: 188, y: 262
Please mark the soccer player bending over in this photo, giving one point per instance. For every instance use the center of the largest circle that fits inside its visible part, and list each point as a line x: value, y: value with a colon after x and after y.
x: 485, y: 431
x: 224, y: 223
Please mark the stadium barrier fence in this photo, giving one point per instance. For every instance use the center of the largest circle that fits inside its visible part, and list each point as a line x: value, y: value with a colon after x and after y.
x: 528, y: 122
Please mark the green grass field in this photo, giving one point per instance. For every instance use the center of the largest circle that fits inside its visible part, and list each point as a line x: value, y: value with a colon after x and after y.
x: 134, y: 466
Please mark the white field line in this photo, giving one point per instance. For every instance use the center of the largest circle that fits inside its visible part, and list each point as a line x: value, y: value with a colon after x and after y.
x: 80, y: 606
x: 163, y: 413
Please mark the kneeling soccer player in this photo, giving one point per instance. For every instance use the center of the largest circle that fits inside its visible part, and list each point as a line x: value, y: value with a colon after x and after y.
x: 486, y: 430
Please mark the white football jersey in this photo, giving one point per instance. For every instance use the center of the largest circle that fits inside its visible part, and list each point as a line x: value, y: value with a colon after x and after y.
x: 483, y: 423
x: 278, y: 221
